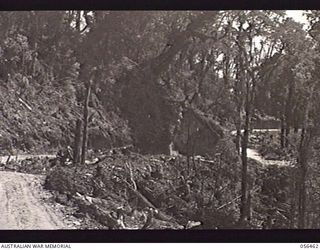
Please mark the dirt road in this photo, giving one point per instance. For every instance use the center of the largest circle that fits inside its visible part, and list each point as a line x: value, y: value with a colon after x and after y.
x: 20, y: 157
x: 253, y: 154
x: 22, y: 205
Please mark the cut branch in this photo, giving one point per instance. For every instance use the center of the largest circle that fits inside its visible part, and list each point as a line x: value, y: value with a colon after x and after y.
x: 24, y: 104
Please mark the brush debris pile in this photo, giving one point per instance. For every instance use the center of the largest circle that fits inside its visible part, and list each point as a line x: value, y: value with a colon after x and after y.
x: 29, y: 165
x: 133, y: 191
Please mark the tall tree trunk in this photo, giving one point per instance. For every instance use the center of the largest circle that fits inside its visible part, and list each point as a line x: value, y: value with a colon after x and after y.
x: 303, y: 157
x: 288, y: 108
x: 238, y: 109
x: 295, y: 120
x: 238, y: 127
x: 244, y: 159
x: 85, y: 123
x: 303, y: 166
x: 244, y: 174
x: 249, y: 84
x: 282, y: 132
x: 293, y: 196
x: 77, y: 142
x: 286, y: 138
x: 238, y: 139
x: 302, y: 196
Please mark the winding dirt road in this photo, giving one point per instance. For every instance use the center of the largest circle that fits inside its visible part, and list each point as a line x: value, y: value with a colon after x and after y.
x: 254, y: 154
x: 22, y: 205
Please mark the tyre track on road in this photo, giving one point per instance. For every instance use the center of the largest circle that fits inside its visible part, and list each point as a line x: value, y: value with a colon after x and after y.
x: 21, y: 206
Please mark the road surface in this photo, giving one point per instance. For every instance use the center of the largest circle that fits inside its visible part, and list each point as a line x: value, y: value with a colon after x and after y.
x: 264, y: 130
x: 254, y: 154
x: 21, y: 204
x: 3, y: 159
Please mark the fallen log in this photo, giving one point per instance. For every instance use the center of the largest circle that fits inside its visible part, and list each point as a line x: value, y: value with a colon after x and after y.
x: 158, y: 214
x: 97, y: 213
